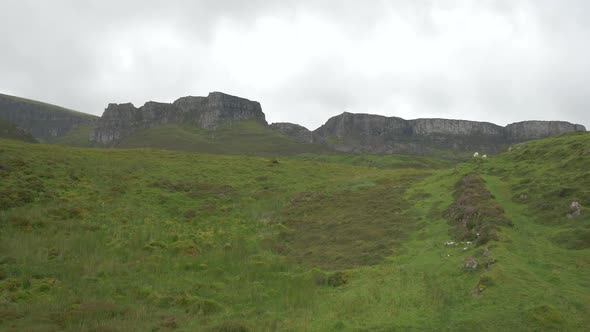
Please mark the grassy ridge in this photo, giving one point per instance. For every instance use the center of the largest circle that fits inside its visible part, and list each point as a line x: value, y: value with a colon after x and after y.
x: 243, y: 137
x: 43, y: 106
x: 119, y: 240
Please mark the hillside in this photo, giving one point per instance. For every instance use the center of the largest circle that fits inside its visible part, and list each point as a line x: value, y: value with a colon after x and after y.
x: 45, y: 122
x: 243, y: 137
x: 144, y: 239
x: 10, y: 131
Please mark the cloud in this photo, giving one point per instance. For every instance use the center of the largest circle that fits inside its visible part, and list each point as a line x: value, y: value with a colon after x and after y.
x: 498, y: 61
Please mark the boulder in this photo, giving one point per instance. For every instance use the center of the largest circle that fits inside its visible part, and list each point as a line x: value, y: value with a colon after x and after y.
x: 470, y: 264
x: 575, y: 209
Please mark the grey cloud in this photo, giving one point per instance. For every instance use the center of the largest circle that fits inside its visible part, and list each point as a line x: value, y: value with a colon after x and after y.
x: 531, y: 60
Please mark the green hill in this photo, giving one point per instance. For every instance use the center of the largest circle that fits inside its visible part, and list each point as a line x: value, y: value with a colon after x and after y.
x: 146, y: 239
x: 10, y: 131
x: 243, y: 137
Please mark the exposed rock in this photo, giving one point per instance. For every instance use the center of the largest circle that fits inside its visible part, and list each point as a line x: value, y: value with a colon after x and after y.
x: 528, y: 130
x: 575, y: 209
x: 489, y: 262
x: 120, y: 120
x: 295, y: 131
x: 454, y: 127
x: 369, y: 133
x: 470, y: 264
x: 44, y: 121
x: 379, y: 134
x: 218, y: 108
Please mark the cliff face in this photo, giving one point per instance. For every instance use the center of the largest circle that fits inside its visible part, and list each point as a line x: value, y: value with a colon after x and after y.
x: 121, y: 120
x: 44, y: 121
x: 528, y: 130
x: 379, y: 134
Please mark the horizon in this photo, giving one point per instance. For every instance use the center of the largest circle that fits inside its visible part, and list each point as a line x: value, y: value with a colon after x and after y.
x: 269, y: 122
x: 497, y: 62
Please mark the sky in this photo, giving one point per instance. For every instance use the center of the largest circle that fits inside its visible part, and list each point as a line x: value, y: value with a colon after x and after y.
x: 305, y: 61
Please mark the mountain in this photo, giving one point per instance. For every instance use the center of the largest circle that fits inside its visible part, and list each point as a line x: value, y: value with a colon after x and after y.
x: 45, y: 122
x: 212, y: 112
x: 218, y: 123
x: 350, y: 132
x: 157, y: 240
x: 221, y: 123
x: 10, y: 131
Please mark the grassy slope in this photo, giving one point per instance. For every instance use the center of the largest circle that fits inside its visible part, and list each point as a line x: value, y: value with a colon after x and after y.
x: 10, y: 131
x: 242, y: 137
x: 147, y: 239
x: 77, y: 137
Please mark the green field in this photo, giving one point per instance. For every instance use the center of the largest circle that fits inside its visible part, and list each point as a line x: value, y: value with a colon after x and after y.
x: 153, y: 240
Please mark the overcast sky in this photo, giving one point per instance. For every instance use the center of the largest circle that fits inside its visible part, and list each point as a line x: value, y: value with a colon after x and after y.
x: 305, y: 61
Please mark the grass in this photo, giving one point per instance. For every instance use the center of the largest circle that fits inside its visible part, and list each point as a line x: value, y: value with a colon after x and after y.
x: 76, y: 137
x: 144, y: 239
x: 244, y: 138
x: 10, y: 131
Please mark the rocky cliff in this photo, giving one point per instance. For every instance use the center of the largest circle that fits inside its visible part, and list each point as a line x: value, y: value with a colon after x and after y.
x: 379, y: 134
x: 44, y: 121
x: 211, y: 112
x: 528, y: 130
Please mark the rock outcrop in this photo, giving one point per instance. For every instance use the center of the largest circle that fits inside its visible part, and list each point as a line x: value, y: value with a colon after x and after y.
x: 121, y: 120
x: 296, y: 132
x: 44, y: 121
x: 350, y: 132
x: 528, y: 130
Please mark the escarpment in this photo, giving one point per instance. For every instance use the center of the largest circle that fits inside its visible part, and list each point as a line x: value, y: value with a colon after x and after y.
x: 214, y: 114
x: 43, y: 121
x: 217, y: 109
x: 379, y: 134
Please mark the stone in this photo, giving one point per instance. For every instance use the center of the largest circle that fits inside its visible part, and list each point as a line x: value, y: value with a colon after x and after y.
x: 575, y: 209
x: 489, y: 263
x: 470, y: 264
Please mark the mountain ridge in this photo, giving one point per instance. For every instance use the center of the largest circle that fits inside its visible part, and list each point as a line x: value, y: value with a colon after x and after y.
x: 362, y: 132
x: 346, y: 132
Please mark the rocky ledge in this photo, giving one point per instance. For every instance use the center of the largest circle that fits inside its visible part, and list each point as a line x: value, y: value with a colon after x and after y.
x: 379, y: 134
x: 211, y: 112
